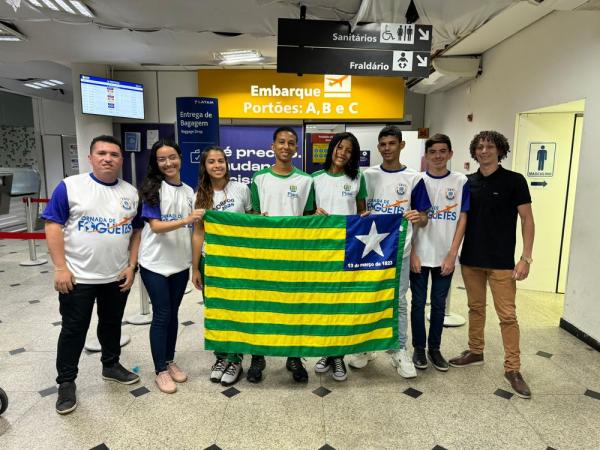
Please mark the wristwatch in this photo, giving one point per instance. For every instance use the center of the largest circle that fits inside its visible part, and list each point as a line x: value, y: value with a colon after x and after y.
x: 526, y: 259
x: 134, y: 267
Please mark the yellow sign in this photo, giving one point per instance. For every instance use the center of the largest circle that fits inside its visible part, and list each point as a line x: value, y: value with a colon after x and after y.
x: 267, y: 94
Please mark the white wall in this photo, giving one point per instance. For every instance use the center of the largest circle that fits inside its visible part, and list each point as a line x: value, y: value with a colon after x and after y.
x: 553, y: 61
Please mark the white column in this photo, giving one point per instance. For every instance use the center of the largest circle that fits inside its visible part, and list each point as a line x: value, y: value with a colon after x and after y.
x: 87, y: 127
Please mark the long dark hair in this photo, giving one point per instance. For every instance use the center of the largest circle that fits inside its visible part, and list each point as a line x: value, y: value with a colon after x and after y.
x: 154, y: 177
x: 351, y: 167
x: 204, y: 197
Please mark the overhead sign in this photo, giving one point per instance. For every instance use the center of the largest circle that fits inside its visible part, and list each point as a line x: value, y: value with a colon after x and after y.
x: 541, y: 159
x: 327, y: 33
x: 385, y: 49
x: 386, y: 63
x: 197, y: 128
x: 267, y: 94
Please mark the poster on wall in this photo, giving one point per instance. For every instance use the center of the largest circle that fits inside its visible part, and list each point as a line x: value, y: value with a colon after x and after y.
x: 197, y: 128
x: 317, y: 145
x: 248, y: 149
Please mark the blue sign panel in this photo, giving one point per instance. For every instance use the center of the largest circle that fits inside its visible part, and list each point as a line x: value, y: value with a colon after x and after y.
x: 197, y: 128
x: 248, y: 149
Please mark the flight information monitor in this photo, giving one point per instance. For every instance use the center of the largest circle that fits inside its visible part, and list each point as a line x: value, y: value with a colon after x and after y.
x: 105, y: 97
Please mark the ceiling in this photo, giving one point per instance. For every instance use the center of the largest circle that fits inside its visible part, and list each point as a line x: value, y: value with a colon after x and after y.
x: 183, y: 34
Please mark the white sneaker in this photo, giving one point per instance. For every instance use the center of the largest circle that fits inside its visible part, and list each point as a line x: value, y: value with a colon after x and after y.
x: 360, y: 360
x: 217, y: 370
x: 232, y: 374
x: 403, y: 364
x: 323, y: 364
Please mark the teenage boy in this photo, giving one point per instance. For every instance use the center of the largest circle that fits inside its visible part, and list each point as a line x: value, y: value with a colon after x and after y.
x: 93, y: 236
x: 435, y: 249
x: 393, y: 188
x: 498, y: 196
x: 281, y: 190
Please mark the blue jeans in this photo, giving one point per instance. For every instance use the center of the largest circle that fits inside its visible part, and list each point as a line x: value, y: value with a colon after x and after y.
x: 165, y: 295
x: 402, y: 304
x: 440, y: 285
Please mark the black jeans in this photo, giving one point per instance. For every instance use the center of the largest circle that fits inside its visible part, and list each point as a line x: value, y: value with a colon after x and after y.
x: 76, y: 310
x: 165, y: 295
x: 440, y: 285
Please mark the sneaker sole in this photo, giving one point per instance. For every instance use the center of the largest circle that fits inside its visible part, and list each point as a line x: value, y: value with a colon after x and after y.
x: 344, y: 378
x: 215, y: 380
x: 400, y: 372
x: 441, y: 369
x: 421, y: 367
x: 318, y: 371
x: 476, y: 363
x: 67, y: 411
x: 121, y: 381
x: 166, y: 391
x: 516, y: 393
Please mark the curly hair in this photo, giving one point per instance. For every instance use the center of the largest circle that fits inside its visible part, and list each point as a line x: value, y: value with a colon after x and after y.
x: 151, y: 185
x: 351, y: 167
x: 498, y: 139
x: 204, y: 196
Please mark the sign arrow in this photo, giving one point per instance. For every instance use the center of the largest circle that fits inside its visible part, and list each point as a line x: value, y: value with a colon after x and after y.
x: 422, y: 60
x: 539, y: 183
x: 424, y: 35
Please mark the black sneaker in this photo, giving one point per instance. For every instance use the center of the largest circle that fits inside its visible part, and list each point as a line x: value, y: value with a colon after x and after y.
x: 419, y: 358
x: 339, y: 372
x: 438, y: 361
x: 295, y: 366
x: 257, y: 365
x: 119, y: 374
x: 67, y: 400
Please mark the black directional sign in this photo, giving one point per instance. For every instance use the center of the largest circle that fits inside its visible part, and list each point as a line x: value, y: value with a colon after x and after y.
x: 381, y: 49
x: 391, y: 63
x: 327, y: 33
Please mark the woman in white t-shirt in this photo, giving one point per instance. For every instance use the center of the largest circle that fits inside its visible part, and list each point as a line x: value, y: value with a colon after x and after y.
x: 217, y: 192
x: 339, y: 189
x: 166, y: 254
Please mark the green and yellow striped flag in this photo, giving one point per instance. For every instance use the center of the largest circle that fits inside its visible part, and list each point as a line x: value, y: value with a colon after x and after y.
x: 301, y: 286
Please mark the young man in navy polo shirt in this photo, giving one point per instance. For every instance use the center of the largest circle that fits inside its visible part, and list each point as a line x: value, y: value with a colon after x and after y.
x: 498, y: 196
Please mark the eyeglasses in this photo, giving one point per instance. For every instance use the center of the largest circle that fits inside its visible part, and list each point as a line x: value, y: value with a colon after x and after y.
x: 171, y: 158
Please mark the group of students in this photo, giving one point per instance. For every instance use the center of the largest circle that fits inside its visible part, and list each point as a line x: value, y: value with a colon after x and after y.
x: 97, y: 250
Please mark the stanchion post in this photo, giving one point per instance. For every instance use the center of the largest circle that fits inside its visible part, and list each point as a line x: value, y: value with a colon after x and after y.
x: 33, y: 259
x: 144, y: 317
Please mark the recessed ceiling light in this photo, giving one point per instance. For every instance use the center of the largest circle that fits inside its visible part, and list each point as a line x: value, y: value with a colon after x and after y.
x: 83, y: 10
x: 50, y: 5
x: 33, y: 86
x: 64, y: 6
x: 238, y: 56
x: 57, y: 82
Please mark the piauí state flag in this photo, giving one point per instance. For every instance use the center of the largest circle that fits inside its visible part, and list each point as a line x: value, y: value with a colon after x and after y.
x: 302, y: 286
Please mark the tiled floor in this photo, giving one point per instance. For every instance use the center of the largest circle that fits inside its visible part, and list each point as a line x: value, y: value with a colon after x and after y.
x: 469, y: 408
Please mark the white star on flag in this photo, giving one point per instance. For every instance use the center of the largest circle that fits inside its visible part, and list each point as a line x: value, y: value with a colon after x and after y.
x: 372, y: 241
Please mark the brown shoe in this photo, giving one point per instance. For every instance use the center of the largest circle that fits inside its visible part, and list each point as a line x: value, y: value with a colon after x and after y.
x: 516, y: 381
x: 467, y: 358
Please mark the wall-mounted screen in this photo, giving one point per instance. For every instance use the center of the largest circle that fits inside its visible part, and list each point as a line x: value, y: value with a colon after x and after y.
x: 106, y: 97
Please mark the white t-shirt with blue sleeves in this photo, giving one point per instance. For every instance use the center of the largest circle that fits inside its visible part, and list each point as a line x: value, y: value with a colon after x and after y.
x: 170, y: 252
x: 395, y: 192
x: 98, y: 219
x: 450, y: 195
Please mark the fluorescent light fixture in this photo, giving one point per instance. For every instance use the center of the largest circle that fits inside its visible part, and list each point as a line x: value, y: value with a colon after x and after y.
x: 238, y: 56
x: 64, y: 6
x: 39, y: 84
x: 56, y: 82
x: 46, y: 83
x: 9, y: 38
x: 83, y: 10
x: 7, y: 33
x: 35, y: 3
x: 50, y: 5
x: 33, y: 86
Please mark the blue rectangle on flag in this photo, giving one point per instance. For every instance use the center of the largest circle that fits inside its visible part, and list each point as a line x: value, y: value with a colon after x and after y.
x: 372, y: 241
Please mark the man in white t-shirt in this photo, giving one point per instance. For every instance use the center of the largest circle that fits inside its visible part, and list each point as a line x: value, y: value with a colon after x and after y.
x: 393, y: 188
x: 281, y: 190
x: 93, y: 235
x: 435, y: 249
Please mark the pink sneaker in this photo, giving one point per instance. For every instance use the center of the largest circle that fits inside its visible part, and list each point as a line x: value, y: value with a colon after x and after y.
x: 178, y: 375
x: 165, y: 383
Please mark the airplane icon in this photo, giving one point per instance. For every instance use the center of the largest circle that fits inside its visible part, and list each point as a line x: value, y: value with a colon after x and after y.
x: 339, y: 81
